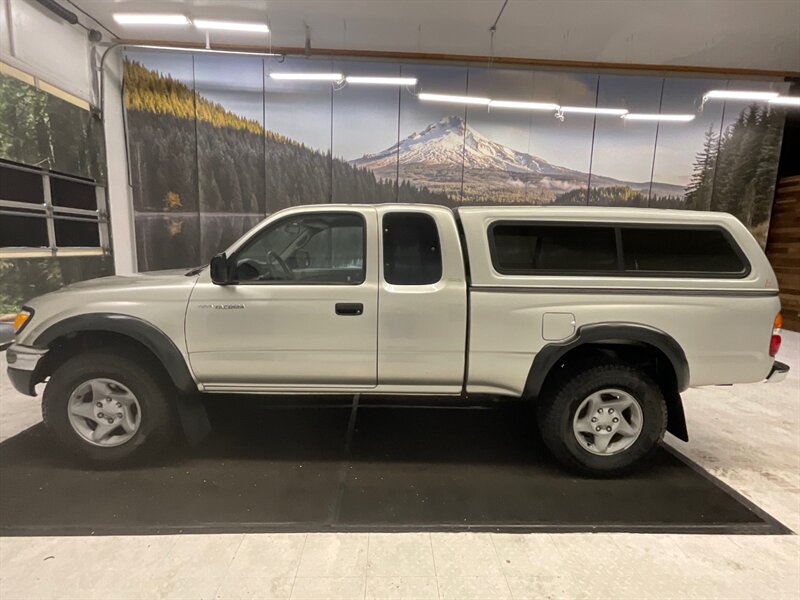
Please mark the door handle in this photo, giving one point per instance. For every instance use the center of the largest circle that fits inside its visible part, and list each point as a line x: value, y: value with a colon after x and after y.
x: 349, y: 308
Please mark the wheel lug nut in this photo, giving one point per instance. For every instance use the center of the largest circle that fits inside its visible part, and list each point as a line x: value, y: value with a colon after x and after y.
x: 600, y: 410
x: 110, y: 421
x: 608, y: 428
x: 615, y: 420
x: 119, y: 405
x: 598, y: 429
x: 99, y: 405
x: 100, y: 415
x: 594, y: 419
x: 119, y: 415
x: 610, y: 410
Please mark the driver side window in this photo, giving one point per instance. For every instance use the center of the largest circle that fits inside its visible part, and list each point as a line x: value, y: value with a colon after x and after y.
x: 325, y: 248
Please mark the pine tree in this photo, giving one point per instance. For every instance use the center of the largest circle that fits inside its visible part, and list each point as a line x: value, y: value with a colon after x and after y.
x: 698, y: 192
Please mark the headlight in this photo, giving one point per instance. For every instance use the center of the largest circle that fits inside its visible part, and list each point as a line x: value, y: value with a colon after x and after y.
x: 22, y: 319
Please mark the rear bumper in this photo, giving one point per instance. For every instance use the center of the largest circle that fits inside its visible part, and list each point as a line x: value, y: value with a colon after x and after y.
x: 778, y: 372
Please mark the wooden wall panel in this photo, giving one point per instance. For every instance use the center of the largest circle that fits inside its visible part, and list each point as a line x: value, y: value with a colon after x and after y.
x: 783, y: 248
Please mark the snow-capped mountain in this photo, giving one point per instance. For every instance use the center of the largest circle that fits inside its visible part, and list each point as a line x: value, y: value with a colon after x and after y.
x: 449, y: 155
x: 449, y: 142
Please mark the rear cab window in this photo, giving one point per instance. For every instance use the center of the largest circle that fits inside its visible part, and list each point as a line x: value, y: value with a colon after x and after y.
x: 412, y: 254
x: 540, y: 248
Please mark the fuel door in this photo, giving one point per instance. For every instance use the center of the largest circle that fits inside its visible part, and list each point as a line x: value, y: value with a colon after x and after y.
x: 558, y: 326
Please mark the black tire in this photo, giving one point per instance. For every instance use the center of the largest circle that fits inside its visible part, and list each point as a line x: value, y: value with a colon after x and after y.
x: 559, y: 404
x: 142, y: 376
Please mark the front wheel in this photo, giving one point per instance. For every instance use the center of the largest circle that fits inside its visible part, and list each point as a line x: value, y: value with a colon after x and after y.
x: 109, y: 408
x: 604, y: 420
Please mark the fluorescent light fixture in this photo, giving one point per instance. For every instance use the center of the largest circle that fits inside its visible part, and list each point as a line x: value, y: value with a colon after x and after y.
x: 230, y: 26
x: 307, y: 76
x: 739, y: 95
x: 786, y: 100
x: 661, y: 117
x: 592, y: 110
x: 523, y: 105
x: 458, y: 99
x: 381, y: 80
x: 206, y: 50
x: 150, y: 19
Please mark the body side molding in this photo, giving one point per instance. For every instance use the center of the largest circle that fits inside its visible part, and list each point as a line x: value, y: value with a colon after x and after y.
x: 143, y: 332
x: 726, y: 293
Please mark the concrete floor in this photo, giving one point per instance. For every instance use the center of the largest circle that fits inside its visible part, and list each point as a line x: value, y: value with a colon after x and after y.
x: 748, y: 436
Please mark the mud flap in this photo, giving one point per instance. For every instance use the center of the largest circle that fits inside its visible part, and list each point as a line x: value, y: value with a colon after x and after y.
x: 676, y: 419
x: 193, y: 417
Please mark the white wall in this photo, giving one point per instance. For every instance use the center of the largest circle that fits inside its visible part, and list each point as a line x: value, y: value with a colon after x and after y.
x: 35, y: 41
x: 119, y: 190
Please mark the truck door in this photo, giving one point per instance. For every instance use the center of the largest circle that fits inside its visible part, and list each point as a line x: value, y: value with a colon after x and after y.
x: 423, y: 301
x: 303, y: 312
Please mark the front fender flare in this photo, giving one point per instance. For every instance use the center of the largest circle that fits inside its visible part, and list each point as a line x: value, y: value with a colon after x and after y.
x: 143, y: 332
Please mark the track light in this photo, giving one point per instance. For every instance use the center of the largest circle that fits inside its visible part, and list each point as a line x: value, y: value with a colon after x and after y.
x: 202, y: 50
x: 786, y: 100
x: 739, y: 95
x: 357, y: 79
x: 658, y: 117
x: 231, y: 26
x: 523, y: 105
x: 150, y: 19
x: 307, y: 76
x: 456, y: 99
x: 593, y: 110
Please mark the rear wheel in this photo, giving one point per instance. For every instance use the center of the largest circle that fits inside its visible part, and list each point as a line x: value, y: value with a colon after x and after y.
x: 109, y: 408
x: 604, y: 419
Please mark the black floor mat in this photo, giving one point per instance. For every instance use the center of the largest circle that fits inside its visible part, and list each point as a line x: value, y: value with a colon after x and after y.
x: 330, y: 468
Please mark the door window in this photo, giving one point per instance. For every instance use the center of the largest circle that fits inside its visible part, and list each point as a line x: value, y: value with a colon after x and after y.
x: 412, y: 254
x: 326, y: 248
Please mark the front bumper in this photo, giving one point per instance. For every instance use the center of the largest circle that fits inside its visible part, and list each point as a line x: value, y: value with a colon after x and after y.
x: 778, y: 372
x: 22, y: 364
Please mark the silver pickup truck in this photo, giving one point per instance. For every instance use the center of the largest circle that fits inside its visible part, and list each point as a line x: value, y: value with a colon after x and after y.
x: 600, y: 316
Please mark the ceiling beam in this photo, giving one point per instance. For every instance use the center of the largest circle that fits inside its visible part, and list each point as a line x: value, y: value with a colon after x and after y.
x: 477, y: 59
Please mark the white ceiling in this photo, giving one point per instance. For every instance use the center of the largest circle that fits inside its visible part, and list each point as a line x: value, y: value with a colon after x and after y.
x: 749, y: 34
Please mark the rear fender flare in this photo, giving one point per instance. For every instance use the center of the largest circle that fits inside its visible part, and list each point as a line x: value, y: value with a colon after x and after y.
x: 551, y: 354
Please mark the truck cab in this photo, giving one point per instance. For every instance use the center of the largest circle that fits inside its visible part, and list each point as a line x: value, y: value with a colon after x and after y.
x: 296, y: 306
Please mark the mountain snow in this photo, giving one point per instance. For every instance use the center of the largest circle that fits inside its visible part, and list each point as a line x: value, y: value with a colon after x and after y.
x: 449, y: 142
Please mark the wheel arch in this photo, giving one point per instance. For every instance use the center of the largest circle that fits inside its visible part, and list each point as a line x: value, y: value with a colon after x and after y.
x: 123, y: 327
x: 628, y: 342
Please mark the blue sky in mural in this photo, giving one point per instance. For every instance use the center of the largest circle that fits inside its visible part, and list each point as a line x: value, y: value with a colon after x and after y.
x: 365, y: 116
x: 673, y: 163
x: 233, y: 81
x: 624, y: 149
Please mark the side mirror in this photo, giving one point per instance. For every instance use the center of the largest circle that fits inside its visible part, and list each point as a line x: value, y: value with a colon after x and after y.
x: 220, y: 273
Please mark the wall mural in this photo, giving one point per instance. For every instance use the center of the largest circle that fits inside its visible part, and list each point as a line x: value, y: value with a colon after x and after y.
x: 216, y: 143
x: 37, y: 128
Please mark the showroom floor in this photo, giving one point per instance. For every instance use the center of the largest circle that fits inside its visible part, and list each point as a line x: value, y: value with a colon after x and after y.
x: 748, y: 436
